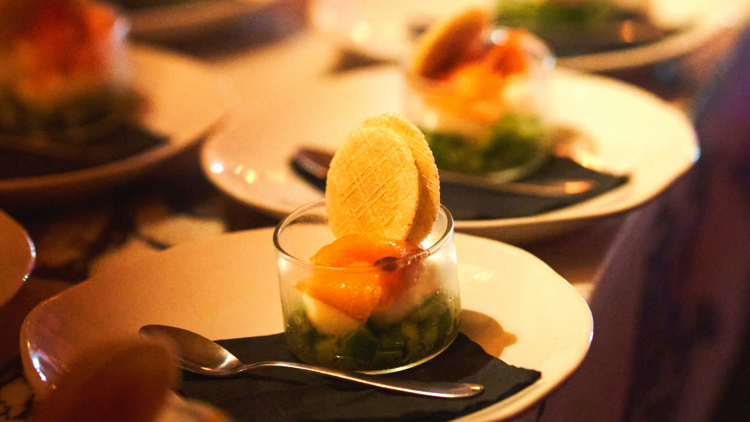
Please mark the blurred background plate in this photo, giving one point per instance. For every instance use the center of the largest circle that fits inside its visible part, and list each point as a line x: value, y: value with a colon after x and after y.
x: 186, y: 103
x: 515, y: 306
x: 627, y: 130
x: 17, y: 256
x: 386, y: 27
x: 672, y: 66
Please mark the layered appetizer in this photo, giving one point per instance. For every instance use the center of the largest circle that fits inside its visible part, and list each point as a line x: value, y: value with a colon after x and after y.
x: 65, y: 71
x: 479, y: 93
x: 368, y: 276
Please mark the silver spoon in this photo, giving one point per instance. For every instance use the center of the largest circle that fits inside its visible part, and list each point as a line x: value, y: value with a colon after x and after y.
x: 312, y: 164
x: 200, y: 355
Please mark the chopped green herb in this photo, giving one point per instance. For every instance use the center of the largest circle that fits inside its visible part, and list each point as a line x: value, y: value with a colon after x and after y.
x: 425, y: 331
x: 515, y: 140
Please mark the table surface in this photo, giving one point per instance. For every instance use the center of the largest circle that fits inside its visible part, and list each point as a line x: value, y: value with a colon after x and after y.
x: 177, y: 204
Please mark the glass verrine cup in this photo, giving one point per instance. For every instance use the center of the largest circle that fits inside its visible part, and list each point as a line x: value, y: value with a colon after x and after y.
x: 86, y: 88
x: 487, y: 117
x: 402, y: 331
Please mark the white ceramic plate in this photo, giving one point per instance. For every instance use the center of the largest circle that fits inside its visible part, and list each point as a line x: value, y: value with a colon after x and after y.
x: 630, y: 131
x: 17, y: 256
x: 187, y: 102
x: 381, y: 27
x: 181, y: 19
x: 227, y: 287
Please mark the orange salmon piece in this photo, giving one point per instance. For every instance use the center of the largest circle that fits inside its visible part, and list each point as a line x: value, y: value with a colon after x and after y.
x: 357, y: 292
x: 509, y: 58
x: 354, y: 293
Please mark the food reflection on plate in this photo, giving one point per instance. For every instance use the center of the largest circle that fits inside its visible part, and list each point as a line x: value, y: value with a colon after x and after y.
x: 486, y: 331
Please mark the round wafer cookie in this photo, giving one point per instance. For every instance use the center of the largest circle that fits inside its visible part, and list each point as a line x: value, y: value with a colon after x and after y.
x: 372, y: 185
x: 445, y: 42
x: 429, y: 179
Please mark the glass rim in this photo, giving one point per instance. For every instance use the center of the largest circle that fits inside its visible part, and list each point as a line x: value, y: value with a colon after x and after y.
x: 399, y: 262
x: 534, y: 46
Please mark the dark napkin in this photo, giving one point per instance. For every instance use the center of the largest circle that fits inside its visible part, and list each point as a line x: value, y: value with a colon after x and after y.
x: 279, y: 394
x: 475, y: 203
x: 472, y: 203
x: 58, y: 157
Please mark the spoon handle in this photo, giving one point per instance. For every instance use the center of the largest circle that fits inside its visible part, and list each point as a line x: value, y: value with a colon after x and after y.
x: 312, y: 165
x: 432, y: 389
x: 553, y: 188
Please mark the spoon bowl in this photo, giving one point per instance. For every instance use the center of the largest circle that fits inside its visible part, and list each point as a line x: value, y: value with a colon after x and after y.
x: 195, y: 353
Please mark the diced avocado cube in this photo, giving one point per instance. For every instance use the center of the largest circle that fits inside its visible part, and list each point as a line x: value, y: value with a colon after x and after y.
x: 446, y: 323
x: 431, y: 309
x: 361, y: 345
x: 410, y: 331
x: 430, y: 336
x: 387, y: 358
x: 393, y: 339
x: 326, y: 349
x: 302, y: 329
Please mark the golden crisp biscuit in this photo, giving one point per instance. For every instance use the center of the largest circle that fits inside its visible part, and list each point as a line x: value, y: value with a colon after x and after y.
x: 445, y: 42
x: 429, y: 180
x: 372, y: 185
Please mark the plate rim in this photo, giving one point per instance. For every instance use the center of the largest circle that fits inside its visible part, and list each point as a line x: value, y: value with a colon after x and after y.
x: 146, y: 159
x: 10, y: 229
x: 520, y: 402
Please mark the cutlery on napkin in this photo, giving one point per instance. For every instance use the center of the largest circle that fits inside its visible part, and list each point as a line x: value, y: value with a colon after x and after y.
x: 280, y: 395
x: 467, y: 202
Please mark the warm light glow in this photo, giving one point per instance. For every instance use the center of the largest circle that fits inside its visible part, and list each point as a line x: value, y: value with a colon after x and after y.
x: 362, y: 33
x: 587, y: 160
x: 627, y: 33
x: 278, y: 176
x: 476, y: 274
x: 730, y: 15
x: 36, y: 362
x: 217, y: 168
x: 499, y: 36
x: 251, y: 176
x: 576, y: 187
